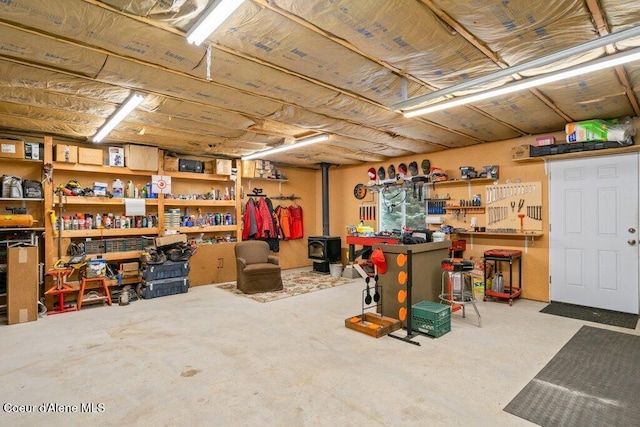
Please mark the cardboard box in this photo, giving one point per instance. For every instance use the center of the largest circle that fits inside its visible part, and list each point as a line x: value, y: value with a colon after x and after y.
x: 90, y: 156
x: 248, y: 169
x: 33, y: 151
x: 170, y: 164
x: 116, y: 156
x: 541, y: 141
x: 521, y: 152
x: 22, y: 284
x: 130, y: 269
x: 12, y: 148
x: 223, y: 167
x: 170, y: 240
x: 65, y: 153
x: 141, y: 157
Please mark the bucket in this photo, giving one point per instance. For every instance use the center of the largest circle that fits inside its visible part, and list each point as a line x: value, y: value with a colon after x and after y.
x: 335, y: 270
x: 438, y: 236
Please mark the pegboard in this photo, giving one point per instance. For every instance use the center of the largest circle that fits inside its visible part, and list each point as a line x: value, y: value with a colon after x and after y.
x: 514, y: 207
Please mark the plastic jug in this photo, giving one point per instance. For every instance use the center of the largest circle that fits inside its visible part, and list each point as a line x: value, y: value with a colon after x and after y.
x: 497, y: 285
x: 118, y: 188
x: 130, y: 190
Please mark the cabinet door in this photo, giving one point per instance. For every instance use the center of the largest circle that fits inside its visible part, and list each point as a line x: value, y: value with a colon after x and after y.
x: 214, y: 263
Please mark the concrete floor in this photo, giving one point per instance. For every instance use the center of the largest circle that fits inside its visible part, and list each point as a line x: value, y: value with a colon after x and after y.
x: 209, y: 357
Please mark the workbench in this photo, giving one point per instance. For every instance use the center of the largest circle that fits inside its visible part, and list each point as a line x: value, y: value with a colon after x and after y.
x: 367, y: 243
x: 424, y: 277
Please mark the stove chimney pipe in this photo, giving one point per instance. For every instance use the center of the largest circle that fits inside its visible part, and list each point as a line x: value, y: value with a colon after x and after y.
x: 325, y: 198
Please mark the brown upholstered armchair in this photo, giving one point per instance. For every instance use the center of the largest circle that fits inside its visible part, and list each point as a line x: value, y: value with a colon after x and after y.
x: 258, y: 271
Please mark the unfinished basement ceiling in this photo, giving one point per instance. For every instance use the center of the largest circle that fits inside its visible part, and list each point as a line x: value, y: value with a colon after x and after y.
x: 278, y: 70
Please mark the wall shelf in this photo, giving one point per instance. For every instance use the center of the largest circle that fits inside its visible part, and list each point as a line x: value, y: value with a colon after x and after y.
x: 462, y: 182
x: 579, y: 154
x: 111, y: 256
x: 113, y: 170
x: 118, y: 201
x: 20, y: 199
x: 109, y: 232
x: 197, y: 203
x: 526, y: 235
x: 467, y: 209
x: 205, y: 229
x: 194, y: 175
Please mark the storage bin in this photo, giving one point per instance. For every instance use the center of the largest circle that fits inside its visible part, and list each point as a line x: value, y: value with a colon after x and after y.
x: 96, y: 268
x: 431, y: 318
x: 167, y: 270
x: 164, y: 287
x: 114, y: 245
x: 93, y: 247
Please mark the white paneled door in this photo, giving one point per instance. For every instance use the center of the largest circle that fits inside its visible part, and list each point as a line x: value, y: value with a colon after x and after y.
x: 593, y: 215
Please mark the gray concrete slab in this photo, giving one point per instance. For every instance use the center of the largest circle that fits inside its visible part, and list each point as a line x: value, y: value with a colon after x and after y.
x: 209, y: 357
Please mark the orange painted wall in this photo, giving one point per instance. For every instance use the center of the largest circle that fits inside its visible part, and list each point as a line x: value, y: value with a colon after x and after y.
x: 300, y: 182
x: 535, y: 265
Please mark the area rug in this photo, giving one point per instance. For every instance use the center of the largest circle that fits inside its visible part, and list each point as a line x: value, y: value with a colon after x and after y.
x: 594, y: 380
x: 294, y: 283
x: 591, y: 314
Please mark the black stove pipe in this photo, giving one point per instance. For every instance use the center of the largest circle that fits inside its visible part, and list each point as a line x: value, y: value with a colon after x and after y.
x: 325, y: 198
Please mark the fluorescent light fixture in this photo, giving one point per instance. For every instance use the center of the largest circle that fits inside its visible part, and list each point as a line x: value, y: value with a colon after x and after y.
x: 589, y: 67
x: 127, y: 107
x: 534, y: 63
x: 211, y: 19
x: 301, y: 143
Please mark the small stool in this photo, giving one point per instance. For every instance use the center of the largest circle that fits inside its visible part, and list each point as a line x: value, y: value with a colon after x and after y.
x: 105, y: 287
x: 457, y: 286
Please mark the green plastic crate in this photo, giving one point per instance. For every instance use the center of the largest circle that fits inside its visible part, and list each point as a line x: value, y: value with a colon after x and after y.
x: 431, y: 318
x: 435, y: 328
x: 431, y: 310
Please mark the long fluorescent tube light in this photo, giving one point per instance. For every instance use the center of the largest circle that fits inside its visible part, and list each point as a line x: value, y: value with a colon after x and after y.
x: 211, y: 19
x: 534, y: 63
x: 589, y: 67
x: 302, y: 143
x: 127, y: 107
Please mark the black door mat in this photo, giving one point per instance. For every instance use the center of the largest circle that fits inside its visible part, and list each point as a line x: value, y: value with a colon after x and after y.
x: 594, y: 380
x: 591, y: 314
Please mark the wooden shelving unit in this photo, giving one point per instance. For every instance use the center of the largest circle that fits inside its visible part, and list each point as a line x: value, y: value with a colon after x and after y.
x: 110, y: 232
x: 89, y: 201
x: 183, y: 182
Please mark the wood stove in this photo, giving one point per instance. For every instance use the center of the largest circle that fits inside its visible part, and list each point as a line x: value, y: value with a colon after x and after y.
x: 324, y: 249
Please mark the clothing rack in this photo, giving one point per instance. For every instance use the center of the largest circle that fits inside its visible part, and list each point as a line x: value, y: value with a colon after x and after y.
x: 291, y: 197
x: 257, y: 192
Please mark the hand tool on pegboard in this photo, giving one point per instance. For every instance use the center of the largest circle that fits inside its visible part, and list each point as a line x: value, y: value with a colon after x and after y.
x: 368, y: 212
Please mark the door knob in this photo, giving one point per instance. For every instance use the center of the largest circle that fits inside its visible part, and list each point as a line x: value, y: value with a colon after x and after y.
x: 631, y: 242
x: 632, y: 230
